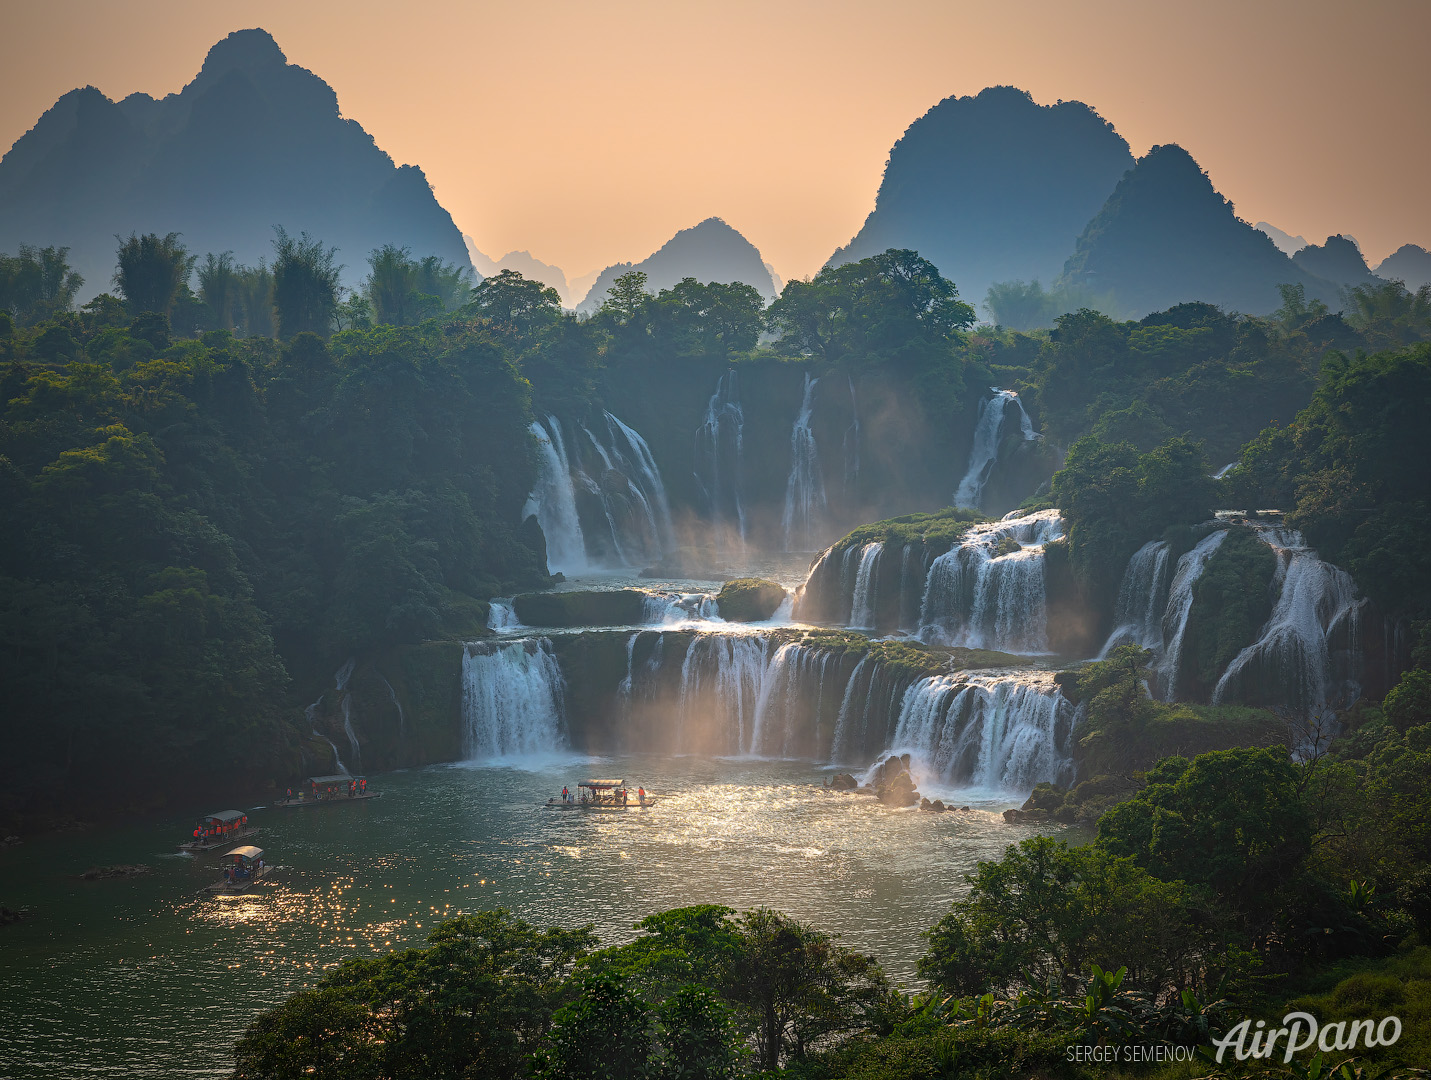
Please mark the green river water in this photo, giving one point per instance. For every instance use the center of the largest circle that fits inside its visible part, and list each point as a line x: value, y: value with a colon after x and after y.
x: 146, y: 977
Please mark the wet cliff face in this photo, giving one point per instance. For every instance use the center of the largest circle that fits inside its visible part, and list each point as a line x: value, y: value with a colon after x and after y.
x: 785, y: 455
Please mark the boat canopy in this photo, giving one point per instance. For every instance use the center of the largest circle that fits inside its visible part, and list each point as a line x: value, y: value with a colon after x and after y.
x: 226, y: 817
x: 248, y: 853
x: 339, y: 779
x: 602, y: 783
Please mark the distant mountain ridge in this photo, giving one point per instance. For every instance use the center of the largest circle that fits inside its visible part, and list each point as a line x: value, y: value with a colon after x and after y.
x: 251, y: 142
x: 1409, y: 264
x: 1166, y: 236
x: 993, y: 187
x: 1339, y: 261
x: 710, y: 251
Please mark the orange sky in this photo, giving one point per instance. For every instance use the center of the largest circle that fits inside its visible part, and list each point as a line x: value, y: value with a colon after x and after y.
x: 590, y: 132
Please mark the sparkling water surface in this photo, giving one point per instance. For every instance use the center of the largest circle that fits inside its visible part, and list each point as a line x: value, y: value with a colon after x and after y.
x: 150, y: 977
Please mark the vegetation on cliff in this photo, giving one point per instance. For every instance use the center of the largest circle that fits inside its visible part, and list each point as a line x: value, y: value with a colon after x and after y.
x: 749, y: 599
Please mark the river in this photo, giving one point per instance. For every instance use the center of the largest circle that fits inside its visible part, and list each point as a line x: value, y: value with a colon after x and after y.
x: 144, y: 977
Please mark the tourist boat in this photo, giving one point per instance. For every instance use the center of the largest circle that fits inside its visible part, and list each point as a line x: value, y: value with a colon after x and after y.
x: 325, y: 790
x: 218, y: 830
x: 602, y: 795
x: 243, y: 867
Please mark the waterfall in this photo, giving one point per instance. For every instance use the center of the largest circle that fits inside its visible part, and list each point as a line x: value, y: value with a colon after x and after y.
x: 1307, y: 657
x: 995, y: 731
x: 721, y: 681
x: 1142, y: 597
x: 340, y: 684
x: 984, y: 452
x: 862, y: 609
x: 719, y: 462
x: 512, y: 695
x: 392, y: 696
x: 630, y: 495
x: 647, y: 478
x: 671, y: 609
x: 805, y: 489
x: 988, y: 591
x: 1175, y: 618
x: 553, y: 501
x: 501, y: 617
x: 313, y: 727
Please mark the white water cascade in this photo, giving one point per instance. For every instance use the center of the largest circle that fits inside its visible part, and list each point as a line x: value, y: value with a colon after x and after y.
x: 674, y: 609
x: 1005, y: 731
x: 630, y: 492
x: 805, y: 488
x: 553, y: 501
x: 988, y: 591
x: 340, y: 685
x: 1142, y: 598
x: 1307, y: 654
x: 862, y: 611
x: 512, y: 694
x: 719, y: 463
x: 721, y: 682
x: 502, y: 618
x: 309, y: 713
x: 984, y: 452
x: 1175, y: 617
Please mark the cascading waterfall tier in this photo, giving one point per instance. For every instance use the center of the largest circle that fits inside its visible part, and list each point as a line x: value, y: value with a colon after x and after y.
x: 1142, y: 598
x: 600, y: 498
x: 984, y: 453
x: 1166, y: 669
x: 1307, y: 658
x: 988, y: 591
x: 1000, y: 731
x: 501, y: 617
x: 876, y: 586
x: 512, y: 699
x: 720, y: 463
x: 805, y: 489
x: 553, y: 501
x: 671, y: 609
x: 862, y: 607
x: 756, y: 694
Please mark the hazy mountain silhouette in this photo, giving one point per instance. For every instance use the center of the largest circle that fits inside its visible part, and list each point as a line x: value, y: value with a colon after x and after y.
x: 993, y: 188
x: 710, y: 251
x: 1286, y: 242
x: 1166, y: 236
x: 250, y: 143
x: 524, y: 263
x: 1409, y: 264
x: 1339, y: 261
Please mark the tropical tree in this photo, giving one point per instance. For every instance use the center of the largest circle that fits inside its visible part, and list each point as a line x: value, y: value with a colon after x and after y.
x: 254, y: 302
x: 305, y: 285
x: 516, y: 304
x: 152, y: 271
x: 1039, y: 917
x: 390, y: 285
x: 219, y: 285
x: 37, y: 283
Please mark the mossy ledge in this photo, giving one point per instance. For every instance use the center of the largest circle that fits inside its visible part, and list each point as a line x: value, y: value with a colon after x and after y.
x: 749, y: 600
